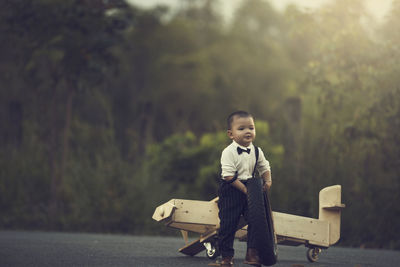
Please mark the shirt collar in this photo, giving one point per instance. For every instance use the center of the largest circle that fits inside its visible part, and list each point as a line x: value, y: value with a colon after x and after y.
x: 243, y: 147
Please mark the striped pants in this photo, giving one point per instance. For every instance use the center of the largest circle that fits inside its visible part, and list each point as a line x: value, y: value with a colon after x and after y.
x: 232, y: 204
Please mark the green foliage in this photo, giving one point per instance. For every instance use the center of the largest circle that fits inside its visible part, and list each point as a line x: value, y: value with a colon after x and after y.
x: 107, y: 110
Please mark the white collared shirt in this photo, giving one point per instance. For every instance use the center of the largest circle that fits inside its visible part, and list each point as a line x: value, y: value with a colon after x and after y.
x: 244, y: 163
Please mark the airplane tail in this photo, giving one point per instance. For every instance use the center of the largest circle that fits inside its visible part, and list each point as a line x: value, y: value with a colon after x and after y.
x: 330, y: 207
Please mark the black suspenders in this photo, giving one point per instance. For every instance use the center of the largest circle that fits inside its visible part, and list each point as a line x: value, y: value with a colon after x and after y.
x: 255, y: 165
x: 254, y: 170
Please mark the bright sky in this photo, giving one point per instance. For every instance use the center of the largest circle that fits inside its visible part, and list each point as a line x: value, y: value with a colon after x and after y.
x: 378, y: 8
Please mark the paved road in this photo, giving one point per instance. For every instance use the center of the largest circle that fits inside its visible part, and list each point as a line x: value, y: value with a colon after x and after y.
x: 19, y: 248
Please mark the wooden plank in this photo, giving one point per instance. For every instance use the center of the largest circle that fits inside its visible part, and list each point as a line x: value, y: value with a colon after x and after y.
x: 241, y: 234
x: 192, y: 227
x: 215, y: 200
x: 207, y: 236
x: 303, y: 228
x: 185, y: 235
x: 287, y: 241
x: 196, y: 212
x: 330, y: 206
x: 192, y: 248
x: 334, y: 207
x: 164, y: 211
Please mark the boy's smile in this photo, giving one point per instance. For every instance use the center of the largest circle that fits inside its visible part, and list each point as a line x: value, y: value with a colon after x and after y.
x: 243, y: 130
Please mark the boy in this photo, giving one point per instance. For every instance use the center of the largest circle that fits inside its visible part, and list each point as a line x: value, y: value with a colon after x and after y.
x: 237, y: 164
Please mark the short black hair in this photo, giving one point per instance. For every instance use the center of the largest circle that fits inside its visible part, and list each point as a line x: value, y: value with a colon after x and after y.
x: 239, y: 113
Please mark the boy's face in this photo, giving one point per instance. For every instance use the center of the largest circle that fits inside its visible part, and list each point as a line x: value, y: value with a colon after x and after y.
x: 243, y: 130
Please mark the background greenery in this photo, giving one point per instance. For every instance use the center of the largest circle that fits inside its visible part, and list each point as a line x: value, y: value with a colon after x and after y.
x: 108, y: 110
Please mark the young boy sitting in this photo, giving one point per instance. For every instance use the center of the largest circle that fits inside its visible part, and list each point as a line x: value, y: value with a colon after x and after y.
x: 237, y: 163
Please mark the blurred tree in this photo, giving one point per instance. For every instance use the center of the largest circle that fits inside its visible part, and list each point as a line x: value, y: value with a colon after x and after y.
x: 61, y: 47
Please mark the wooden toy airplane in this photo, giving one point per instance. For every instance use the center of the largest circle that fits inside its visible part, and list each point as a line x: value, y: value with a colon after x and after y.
x: 202, y: 217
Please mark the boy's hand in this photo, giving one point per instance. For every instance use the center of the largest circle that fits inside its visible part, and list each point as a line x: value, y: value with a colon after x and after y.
x: 267, y: 185
x: 267, y: 180
x: 237, y: 183
x: 245, y: 190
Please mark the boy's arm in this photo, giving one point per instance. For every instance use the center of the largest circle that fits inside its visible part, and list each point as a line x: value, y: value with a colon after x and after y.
x: 237, y: 183
x: 265, y: 170
x: 267, y: 179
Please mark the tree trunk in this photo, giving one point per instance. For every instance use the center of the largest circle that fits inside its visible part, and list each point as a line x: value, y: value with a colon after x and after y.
x: 65, y: 143
x: 53, y: 157
x: 58, y: 167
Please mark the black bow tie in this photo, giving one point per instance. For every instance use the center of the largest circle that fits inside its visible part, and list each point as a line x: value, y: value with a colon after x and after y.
x: 241, y: 150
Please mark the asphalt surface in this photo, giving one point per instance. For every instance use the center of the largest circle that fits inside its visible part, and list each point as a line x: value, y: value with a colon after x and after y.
x: 18, y: 248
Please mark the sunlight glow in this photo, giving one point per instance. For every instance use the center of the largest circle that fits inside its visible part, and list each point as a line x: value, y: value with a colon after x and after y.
x: 378, y: 8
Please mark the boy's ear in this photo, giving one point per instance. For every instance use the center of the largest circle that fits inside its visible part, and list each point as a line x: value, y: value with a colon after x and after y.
x: 229, y: 133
